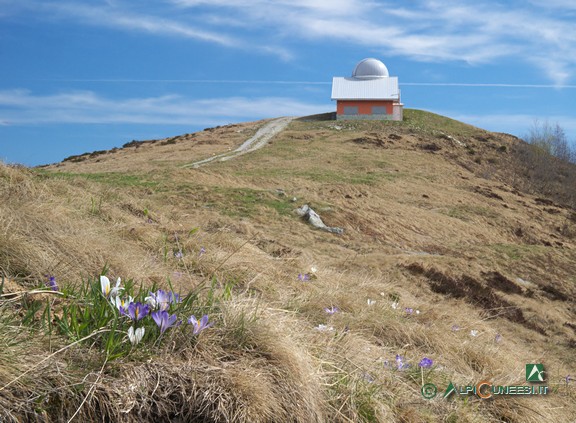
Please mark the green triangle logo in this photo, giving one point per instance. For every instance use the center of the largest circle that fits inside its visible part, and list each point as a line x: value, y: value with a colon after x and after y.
x: 534, y: 373
x: 450, y: 390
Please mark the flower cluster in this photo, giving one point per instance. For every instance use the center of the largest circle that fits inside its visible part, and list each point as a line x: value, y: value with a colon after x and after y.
x: 157, y: 305
x: 401, y: 364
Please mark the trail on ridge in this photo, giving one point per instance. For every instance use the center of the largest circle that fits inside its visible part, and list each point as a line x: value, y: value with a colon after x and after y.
x: 259, y: 140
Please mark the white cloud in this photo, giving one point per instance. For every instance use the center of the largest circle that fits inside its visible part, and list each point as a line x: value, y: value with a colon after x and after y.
x: 21, y: 107
x: 536, y: 33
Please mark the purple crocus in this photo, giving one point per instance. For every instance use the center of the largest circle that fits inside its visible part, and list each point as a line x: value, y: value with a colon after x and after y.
x: 304, y: 277
x: 426, y: 363
x: 136, y: 311
x: 400, y: 363
x: 51, y: 283
x: 174, y: 298
x: 160, y: 300
x: 202, y: 252
x: 331, y: 310
x: 178, y: 254
x: 199, y: 326
x: 409, y: 310
x: 165, y: 320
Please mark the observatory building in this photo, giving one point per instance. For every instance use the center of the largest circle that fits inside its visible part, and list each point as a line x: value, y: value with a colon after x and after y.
x: 370, y: 93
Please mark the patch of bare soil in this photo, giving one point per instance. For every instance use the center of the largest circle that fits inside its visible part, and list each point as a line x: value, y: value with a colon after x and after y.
x: 476, y: 293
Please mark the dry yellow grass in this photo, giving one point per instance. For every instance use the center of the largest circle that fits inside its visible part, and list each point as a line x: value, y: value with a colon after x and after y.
x: 430, y: 224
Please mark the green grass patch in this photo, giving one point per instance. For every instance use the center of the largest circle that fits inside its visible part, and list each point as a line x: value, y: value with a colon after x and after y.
x: 465, y: 212
x: 516, y: 252
x: 247, y: 202
x: 117, y: 179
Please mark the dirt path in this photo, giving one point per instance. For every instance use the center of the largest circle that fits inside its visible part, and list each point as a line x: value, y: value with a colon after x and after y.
x: 259, y: 140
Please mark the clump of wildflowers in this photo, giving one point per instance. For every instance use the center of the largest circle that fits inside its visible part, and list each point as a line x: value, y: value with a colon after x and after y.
x: 400, y: 365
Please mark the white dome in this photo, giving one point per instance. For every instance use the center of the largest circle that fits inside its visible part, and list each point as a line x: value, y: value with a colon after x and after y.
x: 370, y: 68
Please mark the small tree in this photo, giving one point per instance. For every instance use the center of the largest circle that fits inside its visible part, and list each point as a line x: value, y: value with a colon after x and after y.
x: 552, y: 140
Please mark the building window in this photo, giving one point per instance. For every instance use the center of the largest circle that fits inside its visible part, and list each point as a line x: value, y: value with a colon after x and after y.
x: 379, y: 110
x: 350, y: 110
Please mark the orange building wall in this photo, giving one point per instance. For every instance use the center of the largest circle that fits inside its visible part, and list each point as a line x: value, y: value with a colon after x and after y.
x: 364, y: 106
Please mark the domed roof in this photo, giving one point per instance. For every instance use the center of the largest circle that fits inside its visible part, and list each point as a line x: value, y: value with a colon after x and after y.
x: 370, y: 68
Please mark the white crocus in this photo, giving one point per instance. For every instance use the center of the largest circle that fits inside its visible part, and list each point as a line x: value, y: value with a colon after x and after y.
x: 107, y: 290
x: 135, y: 336
x: 119, y: 302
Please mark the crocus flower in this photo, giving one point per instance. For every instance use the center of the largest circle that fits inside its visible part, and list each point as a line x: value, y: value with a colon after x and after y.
x: 426, y: 363
x: 568, y: 379
x: 409, y: 310
x: 395, y: 305
x: 473, y: 332
x: 106, y: 290
x: 52, y: 283
x: 202, y: 251
x: 371, y: 302
x: 135, y: 336
x: 498, y: 338
x: 324, y: 328
x: 400, y: 362
x: 199, y: 326
x: 164, y: 320
x: 455, y: 328
x: 160, y: 300
x: 174, y: 298
x: 331, y: 310
x: 303, y: 277
x: 178, y: 254
x: 313, y: 269
x: 121, y: 303
x: 136, y: 311
x: 368, y: 378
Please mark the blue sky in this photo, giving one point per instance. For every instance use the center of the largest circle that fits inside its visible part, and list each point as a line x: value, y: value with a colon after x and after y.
x: 78, y: 76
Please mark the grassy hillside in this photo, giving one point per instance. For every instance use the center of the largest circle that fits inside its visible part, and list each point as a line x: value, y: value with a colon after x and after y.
x: 442, y: 257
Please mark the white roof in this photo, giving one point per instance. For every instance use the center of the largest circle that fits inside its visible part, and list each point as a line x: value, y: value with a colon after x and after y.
x: 382, y: 88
